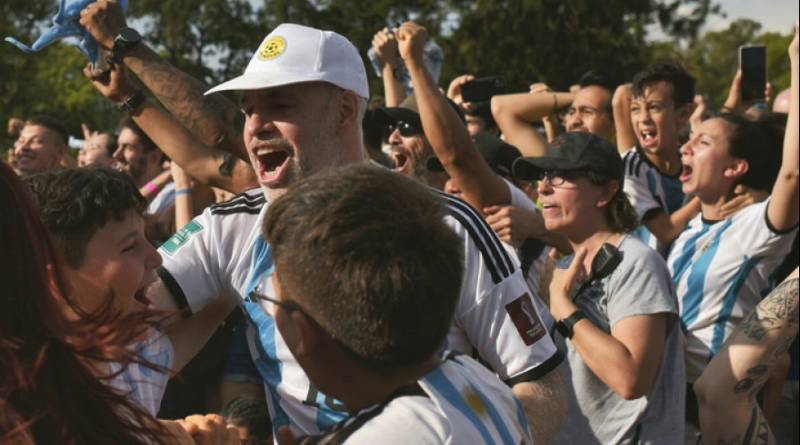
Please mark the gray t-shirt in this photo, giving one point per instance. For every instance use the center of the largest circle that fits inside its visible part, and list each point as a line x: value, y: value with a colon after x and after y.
x: 640, y: 285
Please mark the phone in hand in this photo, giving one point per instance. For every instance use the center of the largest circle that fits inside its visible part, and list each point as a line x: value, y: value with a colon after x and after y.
x: 482, y: 89
x: 753, y: 63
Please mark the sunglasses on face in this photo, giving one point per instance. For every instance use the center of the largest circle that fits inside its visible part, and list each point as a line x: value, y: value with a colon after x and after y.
x: 407, y: 129
x: 558, y: 177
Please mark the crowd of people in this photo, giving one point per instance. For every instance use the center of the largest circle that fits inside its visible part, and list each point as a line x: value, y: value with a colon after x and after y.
x: 613, y: 264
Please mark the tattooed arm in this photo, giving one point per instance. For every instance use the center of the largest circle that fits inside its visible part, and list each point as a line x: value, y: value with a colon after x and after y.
x: 726, y: 392
x: 213, y: 119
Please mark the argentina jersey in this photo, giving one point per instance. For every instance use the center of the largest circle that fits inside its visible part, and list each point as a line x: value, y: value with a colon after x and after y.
x: 223, y: 252
x: 459, y: 402
x: 721, y: 270
x: 648, y: 190
x: 143, y: 384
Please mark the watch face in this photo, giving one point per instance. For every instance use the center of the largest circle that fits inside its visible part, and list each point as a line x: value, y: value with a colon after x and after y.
x: 129, y: 35
x: 562, y: 329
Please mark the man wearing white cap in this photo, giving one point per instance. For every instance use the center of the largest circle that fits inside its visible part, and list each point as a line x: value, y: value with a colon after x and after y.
x: 305, y: 93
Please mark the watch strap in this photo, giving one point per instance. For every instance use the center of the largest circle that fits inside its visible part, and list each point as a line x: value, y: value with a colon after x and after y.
x: 132, y: 102
x: 565, y: 326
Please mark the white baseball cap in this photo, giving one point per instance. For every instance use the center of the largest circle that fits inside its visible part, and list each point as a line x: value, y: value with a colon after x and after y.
x: 294, y: 53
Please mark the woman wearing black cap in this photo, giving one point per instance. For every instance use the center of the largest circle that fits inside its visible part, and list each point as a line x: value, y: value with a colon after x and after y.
x: 624, y: 342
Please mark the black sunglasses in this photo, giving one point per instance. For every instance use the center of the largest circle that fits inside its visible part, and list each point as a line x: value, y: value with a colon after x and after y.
x: 406, y: 129
x: 558, y: 177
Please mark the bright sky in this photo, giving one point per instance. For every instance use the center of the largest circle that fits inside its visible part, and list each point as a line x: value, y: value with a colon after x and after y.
x: 774, y: 15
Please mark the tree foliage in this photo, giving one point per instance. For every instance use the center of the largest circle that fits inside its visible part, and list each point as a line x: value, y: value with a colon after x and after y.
x: 714, y: 58
x: 524, y: 40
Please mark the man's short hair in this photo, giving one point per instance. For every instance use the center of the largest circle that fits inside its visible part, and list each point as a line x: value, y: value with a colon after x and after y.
x: 368, y: 255
x: 51, y: 124
x: 128, y: 122
x: 75, y: 203
x: 673, y: 73
x: 598, y: 79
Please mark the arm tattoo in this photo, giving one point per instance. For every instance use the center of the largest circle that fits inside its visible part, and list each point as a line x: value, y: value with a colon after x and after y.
x: 778, y: 309
x: 212, y: 119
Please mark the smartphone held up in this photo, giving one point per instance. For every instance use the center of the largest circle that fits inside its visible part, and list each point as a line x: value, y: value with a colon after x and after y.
x: 753, y: 63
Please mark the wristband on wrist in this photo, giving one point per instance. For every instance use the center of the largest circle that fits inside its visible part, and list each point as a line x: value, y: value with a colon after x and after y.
x: 179, y: 192
x: 151, y: 187
x: 555, y: 103
x: 132, y: 103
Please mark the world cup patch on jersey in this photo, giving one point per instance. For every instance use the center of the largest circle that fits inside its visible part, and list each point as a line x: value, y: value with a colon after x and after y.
x: 272, y: 48
x: 526, y: 319
x: 181, y: 237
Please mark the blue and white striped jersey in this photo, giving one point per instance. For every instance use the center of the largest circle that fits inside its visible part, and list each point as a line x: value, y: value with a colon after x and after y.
x: 460, y: 402
x: 649, y: 190
x: 222, y: 252
x: 721, y: 271
x: 143, y: 384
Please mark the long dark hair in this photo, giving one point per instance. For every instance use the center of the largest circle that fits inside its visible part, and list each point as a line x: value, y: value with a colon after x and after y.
x: 48, y: 390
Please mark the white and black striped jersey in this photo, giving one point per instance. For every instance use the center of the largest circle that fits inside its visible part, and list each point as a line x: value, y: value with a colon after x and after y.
x: 460, y: 402
x: 223, y: 252
x: 649, y: 190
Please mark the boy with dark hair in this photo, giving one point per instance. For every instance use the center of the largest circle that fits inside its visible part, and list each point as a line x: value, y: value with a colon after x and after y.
x: 659, y: 108
x: 367, y: 279
x: 95, y: 215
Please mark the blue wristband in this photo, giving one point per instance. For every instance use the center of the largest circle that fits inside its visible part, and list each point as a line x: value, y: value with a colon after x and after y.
x: 179, y: 192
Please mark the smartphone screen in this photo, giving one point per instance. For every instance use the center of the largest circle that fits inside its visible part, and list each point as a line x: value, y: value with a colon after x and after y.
x: 482, y: 90
x: 753, y: 63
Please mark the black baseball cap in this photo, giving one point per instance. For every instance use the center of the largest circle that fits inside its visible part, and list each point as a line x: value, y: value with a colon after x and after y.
x: 498, y: 154
x: 574, y: 151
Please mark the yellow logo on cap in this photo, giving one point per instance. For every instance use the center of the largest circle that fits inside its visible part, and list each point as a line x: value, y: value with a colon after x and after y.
x: 272, y: 48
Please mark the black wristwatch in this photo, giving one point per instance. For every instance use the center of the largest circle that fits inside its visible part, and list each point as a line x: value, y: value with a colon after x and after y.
x: 126, y: 39
x: 564, y: 327
x: 132, y: 102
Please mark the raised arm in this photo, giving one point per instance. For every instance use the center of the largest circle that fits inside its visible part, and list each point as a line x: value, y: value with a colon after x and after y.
x: 445, y: 131
x: 621, y: 104
x: 200, y: 161
x: 783, y: 211
x: 385, y: 45
x: 514, y: 114
x: 213, y: 119
x: 727, y: 389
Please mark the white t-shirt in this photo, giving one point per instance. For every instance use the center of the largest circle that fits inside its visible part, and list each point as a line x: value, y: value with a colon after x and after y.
x: 533, y: 275
x: 460, y: 402
x: 649, y: 190
x: 721, y: 271
x: 222, y: 252
x: 144, y: 384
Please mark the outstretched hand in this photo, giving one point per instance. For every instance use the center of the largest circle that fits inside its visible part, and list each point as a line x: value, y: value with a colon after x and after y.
x: 112, y: 84
x: 454, y: 90
x: 103, y: 19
